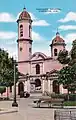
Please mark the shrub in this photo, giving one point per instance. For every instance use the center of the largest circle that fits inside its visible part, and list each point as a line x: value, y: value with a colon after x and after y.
x: 70, y: 103
x: 58, y: 96
x: 72, y: 97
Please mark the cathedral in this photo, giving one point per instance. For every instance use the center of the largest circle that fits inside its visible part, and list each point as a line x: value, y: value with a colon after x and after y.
x: 38, y: 71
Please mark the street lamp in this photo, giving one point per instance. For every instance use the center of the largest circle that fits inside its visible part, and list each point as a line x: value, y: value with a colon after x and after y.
x: 14, y: 104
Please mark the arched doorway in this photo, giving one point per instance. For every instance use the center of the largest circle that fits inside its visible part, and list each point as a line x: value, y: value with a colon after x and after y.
x: 20, y: 87
x: 37, y: 84
x: 55, y: 87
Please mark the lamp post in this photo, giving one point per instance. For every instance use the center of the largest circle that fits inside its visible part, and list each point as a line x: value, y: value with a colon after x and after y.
x: 14, y: 104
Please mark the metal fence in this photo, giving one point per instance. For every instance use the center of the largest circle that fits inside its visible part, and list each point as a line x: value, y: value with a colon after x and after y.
x: 65, y: 115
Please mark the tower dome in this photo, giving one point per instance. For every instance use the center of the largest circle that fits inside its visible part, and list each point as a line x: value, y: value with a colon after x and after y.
x: 24, y: 15
x: 58, y: 39
x: 58, y: 43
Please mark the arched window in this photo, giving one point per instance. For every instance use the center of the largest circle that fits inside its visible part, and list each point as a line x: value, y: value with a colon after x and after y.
x: 37, y: 69
x: 29, y: 50
x: 21, y: 30
x: 55, y: 52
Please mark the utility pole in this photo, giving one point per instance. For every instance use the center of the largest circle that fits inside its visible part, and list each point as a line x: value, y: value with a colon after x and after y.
x: 14, y: 104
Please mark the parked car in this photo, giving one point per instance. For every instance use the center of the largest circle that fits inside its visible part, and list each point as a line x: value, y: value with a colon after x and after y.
x: 38, y: 88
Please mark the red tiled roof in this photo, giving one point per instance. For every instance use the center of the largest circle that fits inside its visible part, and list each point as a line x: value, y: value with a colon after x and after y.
x: 24, y: 15
x: 58, y: 39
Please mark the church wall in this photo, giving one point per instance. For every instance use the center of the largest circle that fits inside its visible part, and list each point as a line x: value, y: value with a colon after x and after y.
x: 24, y: 53
x: 33, y: 67
x: 45, y: 66
x: 51, y: 64
x: 23, y: 68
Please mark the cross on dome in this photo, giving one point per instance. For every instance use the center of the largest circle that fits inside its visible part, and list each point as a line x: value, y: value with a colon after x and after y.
x: 57, y: 33
x: 24, y: 8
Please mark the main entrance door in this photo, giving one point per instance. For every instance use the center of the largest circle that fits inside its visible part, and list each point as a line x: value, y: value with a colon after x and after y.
x: 55, y: 87
x: 37, y: 84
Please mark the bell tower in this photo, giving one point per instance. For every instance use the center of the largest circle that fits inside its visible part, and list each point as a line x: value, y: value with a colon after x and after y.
x: 24, y: 36
x: 57, y: 44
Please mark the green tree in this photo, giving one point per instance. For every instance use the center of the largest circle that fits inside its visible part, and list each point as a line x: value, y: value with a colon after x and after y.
x: 63, y: 57
x: 73, y: 53
x: 73, y: 50
x: 7, y: 70
x: 67, y: 75
x: 65, y: 78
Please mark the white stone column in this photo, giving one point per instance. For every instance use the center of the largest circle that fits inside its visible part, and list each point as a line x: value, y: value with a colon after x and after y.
x: 25, y: 86
x: 49, y: 86
x: 43, y: 86
x: 28, y: 85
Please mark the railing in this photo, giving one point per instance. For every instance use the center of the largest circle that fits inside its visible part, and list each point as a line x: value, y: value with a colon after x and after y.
x: 65, y: 115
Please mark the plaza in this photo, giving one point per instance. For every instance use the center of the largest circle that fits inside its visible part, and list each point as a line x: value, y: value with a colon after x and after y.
x: 26, y: 111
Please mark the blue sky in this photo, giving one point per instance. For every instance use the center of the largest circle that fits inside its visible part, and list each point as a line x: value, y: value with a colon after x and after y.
x: 45, y: 24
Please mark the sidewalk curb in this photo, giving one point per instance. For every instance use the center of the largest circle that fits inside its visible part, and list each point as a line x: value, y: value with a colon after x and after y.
x: 8, y: 111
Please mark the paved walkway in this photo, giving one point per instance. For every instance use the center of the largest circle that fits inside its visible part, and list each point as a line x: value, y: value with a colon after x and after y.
x: 26, y: 111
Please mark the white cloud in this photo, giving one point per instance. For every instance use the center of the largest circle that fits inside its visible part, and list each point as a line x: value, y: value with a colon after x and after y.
x: 71, y: 16
x: 11, y: 50
x: 69, y: 38
x: 52, y: 11
x: 7, y: 17
x: 7, y: 35
x: 33, y: 17
x: 40, y: 23
x: 8, y: 42
x: 67, y: 27
x: 36, y: 36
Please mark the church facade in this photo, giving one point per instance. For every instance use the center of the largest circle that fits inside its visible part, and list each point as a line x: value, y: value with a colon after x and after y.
x: 38, y: 71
